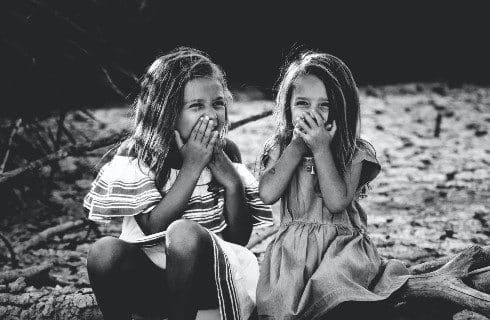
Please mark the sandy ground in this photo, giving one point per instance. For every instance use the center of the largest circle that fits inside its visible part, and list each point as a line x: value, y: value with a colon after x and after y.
x: 432, y: 197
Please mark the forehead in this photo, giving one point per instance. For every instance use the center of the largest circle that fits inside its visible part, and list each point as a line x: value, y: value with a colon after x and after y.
x: 309, y: 85
x: 202, y: 88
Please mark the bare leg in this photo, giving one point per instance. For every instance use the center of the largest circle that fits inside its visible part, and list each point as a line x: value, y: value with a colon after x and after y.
x: 189, y: 272
x: 124, y: 279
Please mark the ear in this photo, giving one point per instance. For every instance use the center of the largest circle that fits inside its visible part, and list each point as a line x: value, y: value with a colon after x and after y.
x: 178, y: 139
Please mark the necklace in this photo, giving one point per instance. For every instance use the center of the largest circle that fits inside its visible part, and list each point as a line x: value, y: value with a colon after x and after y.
x: 309, y: 165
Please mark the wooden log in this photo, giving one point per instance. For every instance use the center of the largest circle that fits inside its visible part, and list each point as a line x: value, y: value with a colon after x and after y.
x: 50, y: 303
x: 30, y: 272
x: 448, y: 283
x: 65, y: 303
x: 436, y: 264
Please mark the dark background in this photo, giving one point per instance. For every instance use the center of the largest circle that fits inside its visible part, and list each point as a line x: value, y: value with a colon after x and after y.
x: 52, y: 51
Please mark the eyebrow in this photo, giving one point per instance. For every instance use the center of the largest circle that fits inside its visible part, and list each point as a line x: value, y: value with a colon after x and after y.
x: 201, y: 100
x: 304, y: 98
x: 193, y: 100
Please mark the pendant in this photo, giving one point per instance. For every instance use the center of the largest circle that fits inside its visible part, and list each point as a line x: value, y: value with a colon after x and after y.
x: 309, y: 165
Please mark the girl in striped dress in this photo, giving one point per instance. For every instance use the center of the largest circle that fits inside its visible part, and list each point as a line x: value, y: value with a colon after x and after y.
x: 188, y: 204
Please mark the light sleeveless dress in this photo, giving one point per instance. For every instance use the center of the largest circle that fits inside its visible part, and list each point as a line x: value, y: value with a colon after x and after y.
x: 317, y: 259
x: 125, y: 188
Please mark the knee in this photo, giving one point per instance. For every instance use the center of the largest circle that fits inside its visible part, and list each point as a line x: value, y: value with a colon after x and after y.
x: 105, y: 256
x: 185, y: 238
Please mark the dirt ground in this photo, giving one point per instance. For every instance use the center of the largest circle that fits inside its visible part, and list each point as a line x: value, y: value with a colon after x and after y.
x: 432, y: 197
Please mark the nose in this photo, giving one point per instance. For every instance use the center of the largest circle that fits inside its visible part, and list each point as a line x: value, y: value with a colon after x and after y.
x: 211, y: 113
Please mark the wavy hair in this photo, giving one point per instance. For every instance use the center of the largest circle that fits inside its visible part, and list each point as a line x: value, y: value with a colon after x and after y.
x: 159, y: 102
x: 344, y: 104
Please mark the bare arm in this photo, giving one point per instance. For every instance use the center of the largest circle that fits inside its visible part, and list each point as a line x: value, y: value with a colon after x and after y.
x: 277, y: 175
x: 173, y: 204
x: 236, y: 211
x: 337, y: 191
x: 237, y: 215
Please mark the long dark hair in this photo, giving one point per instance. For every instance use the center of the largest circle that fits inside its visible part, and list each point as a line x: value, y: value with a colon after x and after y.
x: 159, y: 103
x: 344, y: 105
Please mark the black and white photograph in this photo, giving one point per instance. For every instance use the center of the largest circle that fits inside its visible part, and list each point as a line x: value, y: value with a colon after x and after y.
x: 244, y: 161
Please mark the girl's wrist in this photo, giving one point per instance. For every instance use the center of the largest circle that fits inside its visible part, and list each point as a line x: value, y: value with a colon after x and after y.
x: 321, y: 150
x: 192, y: 169
x: 234, y: 186
x: 299, y: 146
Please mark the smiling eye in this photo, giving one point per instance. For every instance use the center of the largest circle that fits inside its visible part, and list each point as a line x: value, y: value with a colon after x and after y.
x: 219, y: 103
x: 324, y: 106
x: 301, y: 103
x: 196, y: 106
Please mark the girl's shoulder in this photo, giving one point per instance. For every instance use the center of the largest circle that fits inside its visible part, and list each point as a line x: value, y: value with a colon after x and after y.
x: 270, y: 153
x: 124, y: 165
x: 365, y: 152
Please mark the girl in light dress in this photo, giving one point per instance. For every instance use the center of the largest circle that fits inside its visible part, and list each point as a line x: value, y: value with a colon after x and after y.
x: 318, y: 167
x: 188, y: 204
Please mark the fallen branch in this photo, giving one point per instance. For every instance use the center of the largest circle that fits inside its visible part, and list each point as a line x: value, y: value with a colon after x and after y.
x: 28, y: 273
x: 9, y: 143
x: 255, y: 117
x: 71, y: 150
x: 13, y: 258
x: 48, y: 233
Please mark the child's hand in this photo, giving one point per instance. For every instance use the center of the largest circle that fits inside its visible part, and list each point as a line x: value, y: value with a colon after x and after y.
x: 312, y: 129
x: 198, y: 149
x: 298, y: 142
x: 223, y: 170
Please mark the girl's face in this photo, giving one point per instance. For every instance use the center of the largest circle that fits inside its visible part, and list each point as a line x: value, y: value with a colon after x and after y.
x: 202, y: 97
x: 308, y: 94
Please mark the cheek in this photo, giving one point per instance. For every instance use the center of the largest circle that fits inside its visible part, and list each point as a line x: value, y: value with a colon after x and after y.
x: 185, y: 124
x: 324, y: 113
x: 296, y: 113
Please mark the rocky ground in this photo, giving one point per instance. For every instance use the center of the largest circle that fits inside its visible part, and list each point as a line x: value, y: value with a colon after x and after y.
x: 431, y: 198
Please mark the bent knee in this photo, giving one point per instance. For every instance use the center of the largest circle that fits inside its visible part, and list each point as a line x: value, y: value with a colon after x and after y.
x: 185, y: 237
x: 105, y: 255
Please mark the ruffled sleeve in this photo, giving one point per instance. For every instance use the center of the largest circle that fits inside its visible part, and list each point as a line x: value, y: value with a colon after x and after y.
x: 269, y: 155
x: 122, y: 188
x: 370, y: 165
x: 261, y: 213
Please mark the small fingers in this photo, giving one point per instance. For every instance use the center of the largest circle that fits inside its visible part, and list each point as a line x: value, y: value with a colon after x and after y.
x: 196, y: 131
x: 212, y: 141
x: 207, y: 133
x: 318, y: 117
x: 309, y: 120
x: 178, y: 139
x: 302, y: 126
x: 300, y: 133
x: 334, y: 127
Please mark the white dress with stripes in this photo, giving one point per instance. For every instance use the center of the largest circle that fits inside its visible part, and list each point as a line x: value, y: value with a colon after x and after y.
x: 125, y: 187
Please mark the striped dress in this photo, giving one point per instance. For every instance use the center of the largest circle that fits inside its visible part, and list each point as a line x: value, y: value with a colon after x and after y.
x: 125, y: 187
